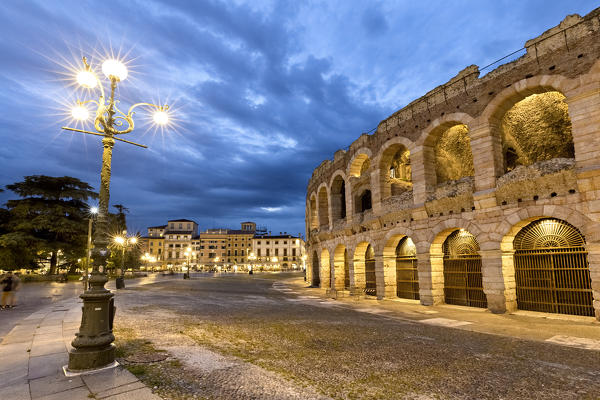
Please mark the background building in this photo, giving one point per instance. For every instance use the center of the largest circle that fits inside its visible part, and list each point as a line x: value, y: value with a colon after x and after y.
x: 277, y: 252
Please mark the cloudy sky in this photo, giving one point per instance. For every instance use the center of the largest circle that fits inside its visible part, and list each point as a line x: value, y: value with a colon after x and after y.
x: 261, y: 91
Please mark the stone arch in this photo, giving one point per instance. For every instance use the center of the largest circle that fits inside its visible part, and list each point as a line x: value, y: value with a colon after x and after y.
x: 515, y: 222
x: 437, y: 237
x: 325, y: 270
x: 395, y: 169
x: 323, y: 207
x: 358, y: 263
x: 513, y: 111
x: 313, y: 215
x: 341, y: 268
x: 337, y: 190
x: 361, y: 156
x: 315, y: 270
x: 394, y: 269
x: 446, y: 150
x: 363, y: 201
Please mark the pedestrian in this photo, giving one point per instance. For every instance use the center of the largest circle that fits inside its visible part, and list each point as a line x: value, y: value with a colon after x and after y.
x: 7, y: 290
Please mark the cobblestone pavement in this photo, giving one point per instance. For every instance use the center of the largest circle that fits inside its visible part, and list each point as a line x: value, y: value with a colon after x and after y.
x: 250, y: 337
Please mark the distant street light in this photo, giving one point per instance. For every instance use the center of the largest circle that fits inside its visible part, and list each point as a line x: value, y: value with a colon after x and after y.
x: 188, y: 253
x: 93, y: 347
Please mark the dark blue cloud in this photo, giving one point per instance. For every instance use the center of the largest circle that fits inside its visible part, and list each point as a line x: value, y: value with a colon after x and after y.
x: 262, y: 91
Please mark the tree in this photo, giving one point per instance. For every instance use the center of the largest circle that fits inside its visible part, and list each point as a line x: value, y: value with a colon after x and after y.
x: 51, y: 217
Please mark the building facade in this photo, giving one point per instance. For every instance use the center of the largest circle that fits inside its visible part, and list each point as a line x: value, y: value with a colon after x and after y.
x: 277, y: 252
x: 485, y: 192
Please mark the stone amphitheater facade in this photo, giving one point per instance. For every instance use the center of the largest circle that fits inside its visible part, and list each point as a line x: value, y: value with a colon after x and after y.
x: 492, y: 179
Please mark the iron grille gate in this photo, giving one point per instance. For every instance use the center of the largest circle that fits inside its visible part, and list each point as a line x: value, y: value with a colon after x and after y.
x: 463, y: 283
x: 554, y: 280
x: 370, y: 280
x: 407, y: 278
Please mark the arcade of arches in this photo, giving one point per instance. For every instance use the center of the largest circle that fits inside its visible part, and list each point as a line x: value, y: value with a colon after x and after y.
x: 483, y: 193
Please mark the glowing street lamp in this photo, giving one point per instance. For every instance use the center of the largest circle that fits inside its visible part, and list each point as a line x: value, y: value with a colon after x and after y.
x: 188, y: 253
x: 93, y: 347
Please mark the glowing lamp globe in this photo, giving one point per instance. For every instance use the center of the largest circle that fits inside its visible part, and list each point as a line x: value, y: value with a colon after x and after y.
x: 94, y: 210
x: 87, y: 79
x: 120, y: 240
x: 133, y: 240
x: 114, y: 69
x: 161, y: 117
x: 80, y: 113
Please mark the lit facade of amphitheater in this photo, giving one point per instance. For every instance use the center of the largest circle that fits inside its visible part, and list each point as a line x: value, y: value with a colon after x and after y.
x: 485, y: 192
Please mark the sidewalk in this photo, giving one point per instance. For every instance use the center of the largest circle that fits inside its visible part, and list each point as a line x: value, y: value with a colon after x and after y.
x: 564, y: 330
x: 35, y: 350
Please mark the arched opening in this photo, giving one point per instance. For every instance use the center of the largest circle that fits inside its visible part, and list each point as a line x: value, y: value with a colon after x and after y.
x: 323, y: 209
x: 341, y: 268
x: 463, y: 281
x: 325, y: 269
x: 360, y: 165
x: 363, y: 202
x: 536, y: 129
x: 407, y: 277
x: 453, y: 157
x: 312, y: 209
x: 396, y: 171
x: 370, y: 280
x: 551, y: 269
x: 316, y: 280
x: 338, y: 198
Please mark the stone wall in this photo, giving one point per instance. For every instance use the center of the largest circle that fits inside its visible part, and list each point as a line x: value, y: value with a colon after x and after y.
x: 493, y: 205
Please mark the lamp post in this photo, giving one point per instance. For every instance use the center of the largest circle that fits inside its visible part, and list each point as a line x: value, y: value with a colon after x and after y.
x: 188, y: 253
x: 123, y: 242
x: 93, y: 347
x: 93, y: 213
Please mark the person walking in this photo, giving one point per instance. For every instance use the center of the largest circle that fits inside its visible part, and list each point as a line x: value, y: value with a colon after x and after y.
x: 7, y: 290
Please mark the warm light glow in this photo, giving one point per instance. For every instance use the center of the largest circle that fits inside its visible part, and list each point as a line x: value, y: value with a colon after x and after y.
x: 119, y: 240
x: 93, y: 210
x: 161, y: 117
x: 133, y: 240
x: 114, y: 69
x: 87, y: 79
x: 188, y: 249
x: 80, y: 113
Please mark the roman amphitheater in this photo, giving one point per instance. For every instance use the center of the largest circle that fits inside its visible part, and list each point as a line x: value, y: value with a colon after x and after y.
x: 485, y: 192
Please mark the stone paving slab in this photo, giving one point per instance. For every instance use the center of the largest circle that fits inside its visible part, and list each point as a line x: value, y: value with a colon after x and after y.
x: 33, y: 353
x: 49, y: 385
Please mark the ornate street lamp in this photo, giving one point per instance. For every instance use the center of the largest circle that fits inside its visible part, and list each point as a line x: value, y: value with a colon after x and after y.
x: 188, y: 253
x: 93, y: 347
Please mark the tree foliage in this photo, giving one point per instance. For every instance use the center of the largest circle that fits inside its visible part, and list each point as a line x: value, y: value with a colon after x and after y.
x: 50, y: 217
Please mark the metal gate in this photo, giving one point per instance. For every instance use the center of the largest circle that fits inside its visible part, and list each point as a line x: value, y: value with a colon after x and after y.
x: 463, y: 282
x: 370, y: 280
x: 407, y: 278
x: 551, y: 269
x: 346, y: 271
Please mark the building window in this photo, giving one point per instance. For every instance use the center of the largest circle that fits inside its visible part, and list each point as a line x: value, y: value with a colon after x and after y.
x: 285, y: 252
x: 277, y: 242
x: 276, y: 252
x: 293, y: 252
x: 189, y: 226
x: 258, y: 255
x: 151, y: 243
x: 235, y: 253
x: 267, y: 242
x: 242, y: 252
x: 268, y: 253
x: 285, y: 242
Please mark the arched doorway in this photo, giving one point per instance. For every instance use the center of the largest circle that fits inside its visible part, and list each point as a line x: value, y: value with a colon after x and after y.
x: 551, y: 269
x: 370, y: 280
x: 407, y: 278
x: 316, y: 281
x: 463, y: 281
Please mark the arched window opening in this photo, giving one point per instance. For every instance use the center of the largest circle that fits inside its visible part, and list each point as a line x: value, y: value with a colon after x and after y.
x: 407, y: 277
x: 365, y: 201
x: 338, y: 198
x: 364, y: 167
x: 313, y: 221
x: 370, y: 280
x: 323, y: 209
x: 463, y: 281
x: 551, y: 269
x: 453, y: 157
x: 536, y: 129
